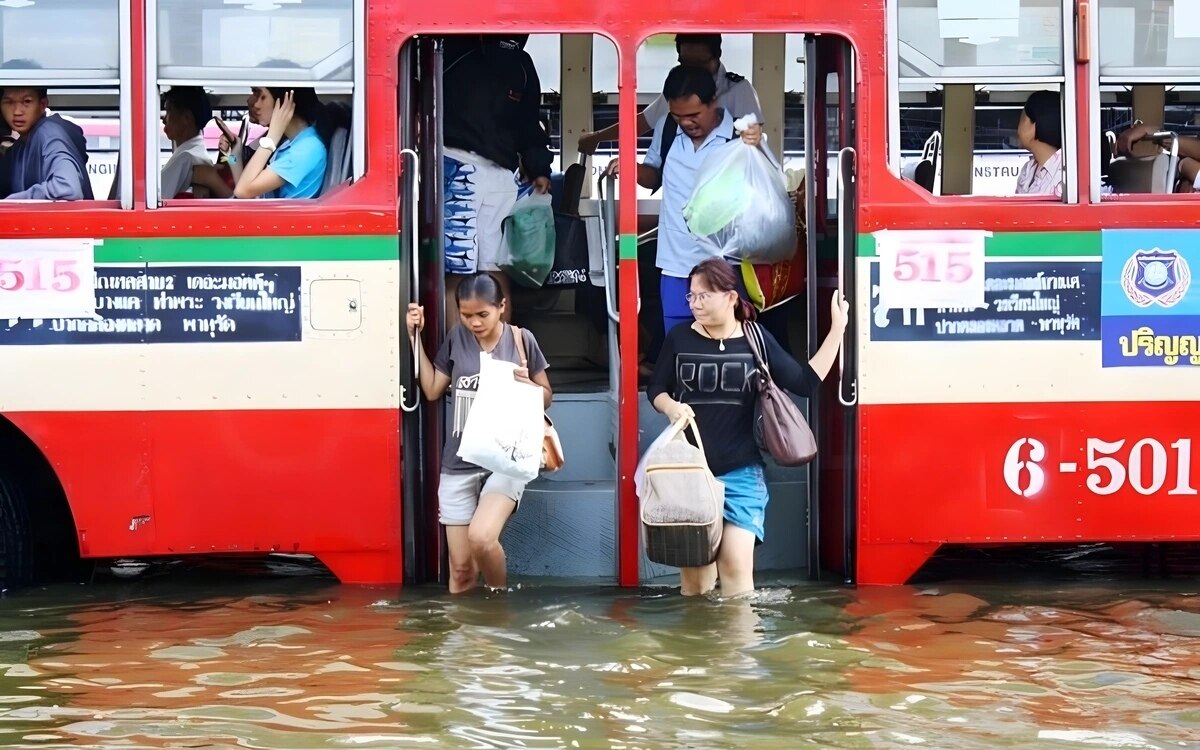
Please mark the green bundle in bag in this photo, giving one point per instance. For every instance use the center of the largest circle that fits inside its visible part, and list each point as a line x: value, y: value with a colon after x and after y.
x: 529, y: 241
x: 740, y: 207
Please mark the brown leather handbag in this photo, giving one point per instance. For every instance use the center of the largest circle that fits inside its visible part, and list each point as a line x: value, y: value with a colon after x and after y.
x: 785, y: 431
x: 552, y: 451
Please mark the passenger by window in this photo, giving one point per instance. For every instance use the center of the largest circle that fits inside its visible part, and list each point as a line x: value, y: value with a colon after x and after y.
x: 288, y: 162
x: 734, y: 92
x: 48, y: 160
x: 1039, y: 131
x: 186, y: 111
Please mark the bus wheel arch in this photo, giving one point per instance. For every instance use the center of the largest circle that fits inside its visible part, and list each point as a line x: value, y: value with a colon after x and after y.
x: 38, y: 537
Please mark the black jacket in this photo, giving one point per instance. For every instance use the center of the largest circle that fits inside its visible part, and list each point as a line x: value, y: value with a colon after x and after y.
x: 492, y: 98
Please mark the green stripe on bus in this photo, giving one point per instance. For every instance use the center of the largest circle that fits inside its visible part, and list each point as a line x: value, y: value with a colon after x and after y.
x: 1021, y: 244
x: 628, y: 247
x: 248, y: 249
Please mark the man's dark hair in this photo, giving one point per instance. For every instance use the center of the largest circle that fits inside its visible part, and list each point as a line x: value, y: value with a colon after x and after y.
x: 712, y: 41
x: 191, y: 99
x: 1044, y: 109
x: 688, y: 80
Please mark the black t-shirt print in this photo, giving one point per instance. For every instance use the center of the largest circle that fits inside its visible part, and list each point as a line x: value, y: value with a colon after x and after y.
x: 719, y: 386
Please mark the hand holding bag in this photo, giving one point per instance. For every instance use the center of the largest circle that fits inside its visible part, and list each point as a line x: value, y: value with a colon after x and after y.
x: 786, y: 433
x: 552, y: 452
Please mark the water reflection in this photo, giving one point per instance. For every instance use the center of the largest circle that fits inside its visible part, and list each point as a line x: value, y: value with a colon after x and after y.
x: 303, y: 664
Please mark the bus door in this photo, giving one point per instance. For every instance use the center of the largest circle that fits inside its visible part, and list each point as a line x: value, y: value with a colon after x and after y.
x: 831, y: 206
x: 421, y: 279
x: 565, y: 526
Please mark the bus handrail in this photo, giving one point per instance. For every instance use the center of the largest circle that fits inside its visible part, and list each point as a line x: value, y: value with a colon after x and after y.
x: 415, y: 289
x: 844, y: 218
x: 607, y: 220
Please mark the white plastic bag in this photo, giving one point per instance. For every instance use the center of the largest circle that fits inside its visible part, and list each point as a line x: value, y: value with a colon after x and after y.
x: 740, y: 207
x: 505, y: 428
x: 639, y: 476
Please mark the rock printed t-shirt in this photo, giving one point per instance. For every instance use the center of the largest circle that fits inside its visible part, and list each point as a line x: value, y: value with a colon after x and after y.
x: 459, y: 358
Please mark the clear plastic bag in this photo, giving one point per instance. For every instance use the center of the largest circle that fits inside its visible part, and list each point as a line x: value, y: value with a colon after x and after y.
x: 740, y: 207
x: 529, y: 240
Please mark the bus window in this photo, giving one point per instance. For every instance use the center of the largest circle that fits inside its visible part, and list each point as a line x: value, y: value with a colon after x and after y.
x: 983, y: 98
x: 63, y: 87
x: 1149, y: 98
x: 244, y: 58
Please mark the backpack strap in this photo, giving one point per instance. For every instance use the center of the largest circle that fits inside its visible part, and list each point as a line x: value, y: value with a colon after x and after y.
x: 670, y: 131
x: 734, y: 77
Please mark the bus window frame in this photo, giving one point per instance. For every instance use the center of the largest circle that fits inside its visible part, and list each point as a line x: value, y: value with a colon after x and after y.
x: 356, y: 87
x: 124, y: 84
x: 1094, y: 107
x: 1070, y: 113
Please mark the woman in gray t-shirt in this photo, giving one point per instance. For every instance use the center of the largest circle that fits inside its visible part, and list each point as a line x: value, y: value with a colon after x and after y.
x: 474, y: 504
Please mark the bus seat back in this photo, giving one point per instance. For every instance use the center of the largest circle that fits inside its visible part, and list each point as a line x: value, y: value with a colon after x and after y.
x: 1144, y: 174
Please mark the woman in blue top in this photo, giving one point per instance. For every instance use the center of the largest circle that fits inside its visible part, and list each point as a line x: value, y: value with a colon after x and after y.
x: 289, y: 161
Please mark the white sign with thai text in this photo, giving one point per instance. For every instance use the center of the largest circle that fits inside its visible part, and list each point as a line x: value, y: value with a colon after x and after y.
x: 930, y: 268
x: 47, y: 278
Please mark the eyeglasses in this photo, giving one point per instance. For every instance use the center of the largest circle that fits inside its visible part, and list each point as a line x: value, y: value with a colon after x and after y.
x: 701, y: 297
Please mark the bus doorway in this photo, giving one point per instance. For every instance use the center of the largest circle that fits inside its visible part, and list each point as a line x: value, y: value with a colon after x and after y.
x: 565, y: 526
x: 804, y: 87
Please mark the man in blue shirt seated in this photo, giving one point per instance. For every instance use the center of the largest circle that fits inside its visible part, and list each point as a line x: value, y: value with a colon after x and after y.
x: 48, y: 161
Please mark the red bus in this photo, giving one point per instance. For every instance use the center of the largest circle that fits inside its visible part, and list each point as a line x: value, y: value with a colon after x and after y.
x: 233, y: 378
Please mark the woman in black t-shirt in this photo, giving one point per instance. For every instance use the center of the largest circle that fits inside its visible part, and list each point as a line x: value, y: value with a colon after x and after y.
x: 706, y: 371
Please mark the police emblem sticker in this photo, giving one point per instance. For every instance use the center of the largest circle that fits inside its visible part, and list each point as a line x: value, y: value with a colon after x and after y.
x: 1156, y: 277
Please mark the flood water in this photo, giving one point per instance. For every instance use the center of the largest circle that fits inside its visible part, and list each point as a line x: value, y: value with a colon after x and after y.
x: 203, y: 660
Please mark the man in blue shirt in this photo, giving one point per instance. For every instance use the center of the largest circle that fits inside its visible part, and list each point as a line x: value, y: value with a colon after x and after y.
x: 49, y: 159
x: 701, y: 127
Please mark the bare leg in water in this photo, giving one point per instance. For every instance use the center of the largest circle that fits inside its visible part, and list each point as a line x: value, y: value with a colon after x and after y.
x: 483, y: 536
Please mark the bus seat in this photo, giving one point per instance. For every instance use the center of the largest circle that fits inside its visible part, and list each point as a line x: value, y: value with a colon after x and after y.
x: 339, y: 166
x: 1145, y: 174
x: 920, y: 172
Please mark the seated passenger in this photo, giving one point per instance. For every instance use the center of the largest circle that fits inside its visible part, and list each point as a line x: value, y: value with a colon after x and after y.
x: 48, y: 161
x: 1040, y: 132
x: 187, y: 109
x: 1189, y: 154
x: 289, y: 161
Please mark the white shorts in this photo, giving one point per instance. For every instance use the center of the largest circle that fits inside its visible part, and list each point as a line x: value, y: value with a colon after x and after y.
x: 478, y: 196
x: 458, y: 494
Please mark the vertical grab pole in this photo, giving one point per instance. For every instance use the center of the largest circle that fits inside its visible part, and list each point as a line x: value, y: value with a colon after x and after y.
x: 414, y: 293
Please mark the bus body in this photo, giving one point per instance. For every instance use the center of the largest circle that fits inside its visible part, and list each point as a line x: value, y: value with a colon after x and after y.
x: 244, y: 384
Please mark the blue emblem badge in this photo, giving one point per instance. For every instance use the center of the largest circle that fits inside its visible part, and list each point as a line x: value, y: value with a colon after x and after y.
x: 1156, y: 276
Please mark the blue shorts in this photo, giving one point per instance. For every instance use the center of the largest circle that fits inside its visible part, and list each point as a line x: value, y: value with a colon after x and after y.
x: 746, y: 499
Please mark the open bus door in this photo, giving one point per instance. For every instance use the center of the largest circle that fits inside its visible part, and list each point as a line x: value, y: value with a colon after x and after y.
x: 832, y: 241
x: 421, y: 279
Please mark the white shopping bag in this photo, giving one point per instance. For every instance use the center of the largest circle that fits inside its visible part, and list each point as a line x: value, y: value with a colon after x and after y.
x: 505, y: 428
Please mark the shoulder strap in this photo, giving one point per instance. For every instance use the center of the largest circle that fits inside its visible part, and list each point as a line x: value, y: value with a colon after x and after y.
x: 519, y: 339
x: 758, y: 347
x: 734, y: 77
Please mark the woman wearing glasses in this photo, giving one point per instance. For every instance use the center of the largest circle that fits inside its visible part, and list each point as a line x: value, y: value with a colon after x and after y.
x: 706, y: 371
